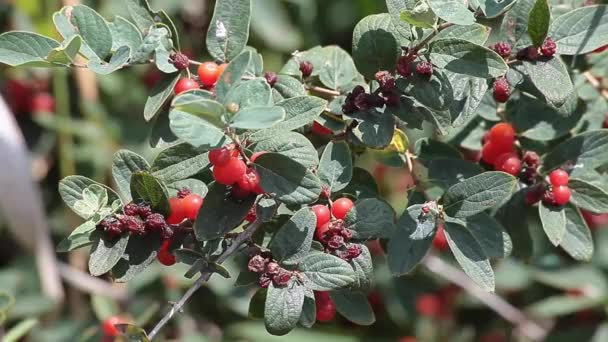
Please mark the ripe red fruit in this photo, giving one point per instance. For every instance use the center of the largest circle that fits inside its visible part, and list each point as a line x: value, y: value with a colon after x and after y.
x: 503, y: 49
x: 319, y: 129
x: 440, y: 242
x: 502, y: 134
x: 428, y: 305
x: 491, y: 151
x: 424, y: 68
x: 322, y: 213
x: 109, y: 328
x: 180, y: 61
x: 502, y: 91
x: 320, y: 231
x: 164, y: 256
x: 208, y: 73
x: 185, y: 84
x: 594, y: 220
x: 509, y: 163
x: 176, y: 211
x: 219, y: 156
x: 250, y: 180
x: 548, y: 48
x: 561, y: 195
x: 340, y: 207
x: 558, y: 177
x: 191, y: 205
x: 256, y: 155
x: 43, y: 103
x: 306, y: 68
x: 326, y: 309
x: 271, y: 78
x: 229, y: 173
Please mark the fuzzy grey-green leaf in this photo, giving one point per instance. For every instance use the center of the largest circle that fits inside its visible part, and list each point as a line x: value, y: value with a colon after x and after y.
x: 292, y: 242
x: 229, y: 29
x: 124, y: 164
x: 325, y: 272
x: 336, y: 166
x: 478, y: 193
x: 554, y: 222
x: 371, y: 218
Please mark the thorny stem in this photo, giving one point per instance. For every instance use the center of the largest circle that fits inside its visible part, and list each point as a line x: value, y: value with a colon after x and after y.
x: 177, y: 307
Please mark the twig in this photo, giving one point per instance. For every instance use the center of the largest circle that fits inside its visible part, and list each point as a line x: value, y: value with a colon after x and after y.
x: 87, y: 283
x: 323, y: 91
x: 177, y: 307
x: 425, y: 41
x: 596, y: 83
x: 525, y: 325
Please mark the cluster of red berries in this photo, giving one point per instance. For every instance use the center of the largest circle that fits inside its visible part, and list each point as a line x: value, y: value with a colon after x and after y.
x: 498, y: 149
x: 136, y: 219
x: 558, y: 193
x: 230, y: 170
x: 208, y: 74
x: 326, y: 309
x: 358, y: 100
x: 25, y: 97
x: 332, y: 233
x: 501, y: 90
x: 406, y: 65
x: 269, y: 270
x: 530, y: 164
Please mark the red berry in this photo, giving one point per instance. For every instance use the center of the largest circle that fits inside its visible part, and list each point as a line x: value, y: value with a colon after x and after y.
x: 190, y: 206
x: 502, y: 134
x: 326, y: 309
x: 180, y: 61
x: 503, y: 49
x: 319, y: 129
x: 424, y: 68
x: 251, y: 214
x: 320, y: 231
x: 322, y: 213
x: 502, y: 91
x: 176, y: 211
x: 306, y: 68
x: 509, y: 163
x: 491, y: 151
x: 340, y: 207
x: 534, y: 194
x: 229, y: 173
x: 109, y: 326
x: 185, y: 84
x: 164, y: 256
x: 548, y: 48
x: 219, y: 156
x: 561, y: 195
x: 271, y: 78
x: 239, y: 193
x: 256, y: 155
x: 19, y: 96
x: 209, y: 73
x: 428, y: 305
x: 43, y: 103
x: 386, y: 81
x: 594, y: 220
x: 440, y: 242
x: 558, y: 177
x: 404, y: 67
x: 250, y: 180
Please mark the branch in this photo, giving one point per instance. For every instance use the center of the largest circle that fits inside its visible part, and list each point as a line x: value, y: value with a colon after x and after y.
x: 596, y: 83
x: 177, y: 307
x: 525, y: 325
x: 425, y: 41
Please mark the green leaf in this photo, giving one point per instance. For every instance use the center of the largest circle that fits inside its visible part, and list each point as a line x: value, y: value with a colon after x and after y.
x: 434, y: 93
x: 514, y: 217
x: 146, y: 188
x: 293, y: 145
x: 538, y: 22
x: 179, y: 162
x: 446, y: 172
x: 587, y: 196
x: 196, y: 131
x: 250, y: 93
x: 283, y: 308
x: 375, y: 45
x: 394, y: 10
x: 66, y: 52
x: 292, y: 241
x: 475, y: 33
x: 493, y: 8
x: 72, y: 189
x: 581, y: 30
x: 588, y: 150
x: 20, y: 330
x: 220, y: 213
x: 124, y: 164
x: 257, y: 303
x: 200, y: 104
x: 25, y: 48
x: 140, y: 253
x: 339, y: 68
x: 371, y: 218
x: 468, y: 96
x: 411, y: 241
x: 336, y: 166
x: 289, y: 181
x: 94, y: 199
x: 124, y: 33
x: 551, y: 78
x: 463, y: 57
x: 490, y: 235
x: 577, y: 240
x: 299, y: 112
x: 144, y: 17
x: 287, y: 87
x: 257, y: 117
x: 160, y: 94
x: 325, y: 272
x: 515, y: 23
x: 469, y: 254
x: 364, y: 270
x: 106, y: 253
x: 478, y: 193
x: 554, y: 222
x: 418, y: 13
x: 82, y: 236
x: 362, y: 185
x: 374, y: 129
x: 354, y: 306
x: 452, y: 11
x: 233, y: 74
x: 118, y: 61
x: 561, y: 305
x: 229, y: 29
x: 156, y: 43
x: 93, y: 29
x: 309, y: 310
